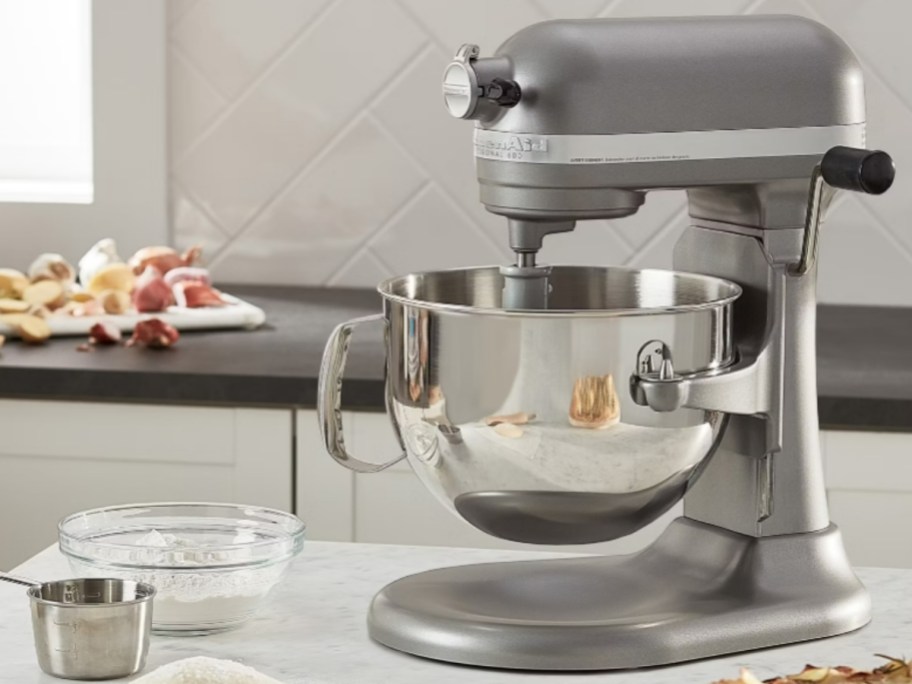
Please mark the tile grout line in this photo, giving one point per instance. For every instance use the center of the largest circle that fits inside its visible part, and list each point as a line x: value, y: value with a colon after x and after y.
x: 868, y: 66
x: 502, y: 249
x: 444, y: 191
x: 609, y: 224
x: 185, y: 58
x: 371, y: 254
x: 200, y: 207
x: 658, y: 236
x: 608, y: 8
x: 365, y: 242
x: 537, y: 6
x: 284, y: 187
x: 333, y: 280
x: 362, y: 113
x: 885, y: 230
x: 751, y: 7
x: 179, y: 19
x: 267, y: 69
x: 424, y: 27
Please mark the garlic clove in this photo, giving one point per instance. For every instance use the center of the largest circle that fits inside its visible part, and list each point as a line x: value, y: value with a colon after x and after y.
x: 115, y: 302
x: 151, y: 293
x: 50, y: 266
x: 104, y: 333
x: 12, y: 283
x: 13, y: 306
x: 45, y: 293
x: 153, y: 333
x: 188, y: 273
x: 81, y: 296
x: 34, y: 330
x: 114, y: 276
x: 102, y: 253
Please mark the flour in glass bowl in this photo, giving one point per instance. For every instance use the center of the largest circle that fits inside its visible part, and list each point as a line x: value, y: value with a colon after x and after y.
x: 205, y: 599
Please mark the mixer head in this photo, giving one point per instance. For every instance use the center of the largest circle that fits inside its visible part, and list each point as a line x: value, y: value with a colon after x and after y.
x: 579, y: 119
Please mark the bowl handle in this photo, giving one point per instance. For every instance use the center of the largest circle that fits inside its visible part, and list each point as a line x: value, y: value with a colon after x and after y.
x: 329, y: 398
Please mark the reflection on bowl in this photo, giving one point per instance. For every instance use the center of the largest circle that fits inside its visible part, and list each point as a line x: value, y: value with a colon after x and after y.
x: 212, y: 564
x: 550, y: 482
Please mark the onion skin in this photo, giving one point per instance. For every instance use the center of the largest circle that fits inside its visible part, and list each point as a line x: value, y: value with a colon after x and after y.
x: 152, y: 293
x: 153, y: 333
x: 182, y: 274
x: 104, y: 333
x: 196, y: 295
x: 163, y: 258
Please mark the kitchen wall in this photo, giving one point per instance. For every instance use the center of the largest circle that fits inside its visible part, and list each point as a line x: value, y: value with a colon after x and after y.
x: 309, y: 144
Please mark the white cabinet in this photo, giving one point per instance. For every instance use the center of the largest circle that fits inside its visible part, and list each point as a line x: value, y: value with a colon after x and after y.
x: 869, y: 482
x: 60, y: 457
x: 869, y: 487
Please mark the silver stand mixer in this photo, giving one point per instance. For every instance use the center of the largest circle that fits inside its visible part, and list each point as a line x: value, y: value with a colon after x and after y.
x: 697, y: 383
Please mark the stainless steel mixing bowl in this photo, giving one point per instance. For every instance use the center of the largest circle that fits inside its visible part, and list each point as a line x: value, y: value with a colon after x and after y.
x: 580, y: 461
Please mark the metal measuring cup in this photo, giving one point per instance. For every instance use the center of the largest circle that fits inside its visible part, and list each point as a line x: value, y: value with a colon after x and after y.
x: 90, y: 628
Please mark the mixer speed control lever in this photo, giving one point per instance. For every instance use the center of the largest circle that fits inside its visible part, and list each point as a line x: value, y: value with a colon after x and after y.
x: 860, y: 170
x: 842, y: 168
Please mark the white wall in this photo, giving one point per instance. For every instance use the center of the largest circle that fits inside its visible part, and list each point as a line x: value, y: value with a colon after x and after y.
x: 309, y: 143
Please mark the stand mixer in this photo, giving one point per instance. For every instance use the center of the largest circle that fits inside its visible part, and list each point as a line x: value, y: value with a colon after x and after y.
x: 623, y: 391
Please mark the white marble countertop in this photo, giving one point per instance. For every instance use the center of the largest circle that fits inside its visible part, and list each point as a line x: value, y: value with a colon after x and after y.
x: 313, y: 627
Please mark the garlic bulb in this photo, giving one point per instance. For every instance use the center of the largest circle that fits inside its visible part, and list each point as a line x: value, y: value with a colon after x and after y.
x: 52, y: 267
x: 103, y: 253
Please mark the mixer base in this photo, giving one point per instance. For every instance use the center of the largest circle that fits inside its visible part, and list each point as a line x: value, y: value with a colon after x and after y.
x: 698, y: 591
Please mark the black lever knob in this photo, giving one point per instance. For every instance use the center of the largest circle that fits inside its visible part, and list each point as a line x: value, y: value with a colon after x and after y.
x: 503, y: 92
x: 851, y: 168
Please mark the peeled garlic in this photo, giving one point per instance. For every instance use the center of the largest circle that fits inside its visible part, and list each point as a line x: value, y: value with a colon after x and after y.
x: 40, y: 311
x: 115, y: 301
x: 52, y: 267
x: 12, y: 283
x: 34, y: 330
x: 114, y: 276
x: 13, y: 306
x: 102, y: 253
x: 45, y: 293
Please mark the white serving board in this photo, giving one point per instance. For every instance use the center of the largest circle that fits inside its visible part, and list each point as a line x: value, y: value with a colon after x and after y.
x: 235, y: 314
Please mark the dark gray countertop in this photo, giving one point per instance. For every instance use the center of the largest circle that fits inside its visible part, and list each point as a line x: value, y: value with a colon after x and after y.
x: 864, y: 365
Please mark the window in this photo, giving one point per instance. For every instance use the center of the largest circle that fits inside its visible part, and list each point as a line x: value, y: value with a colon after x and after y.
x: 127, y: 124
x: 46, y: 101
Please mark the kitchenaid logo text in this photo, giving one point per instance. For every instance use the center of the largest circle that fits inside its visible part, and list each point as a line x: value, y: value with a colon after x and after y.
x: 512, y: 147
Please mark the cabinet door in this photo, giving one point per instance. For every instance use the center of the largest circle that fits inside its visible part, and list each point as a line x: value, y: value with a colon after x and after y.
x: 57, y: 458
x: 870, y: 495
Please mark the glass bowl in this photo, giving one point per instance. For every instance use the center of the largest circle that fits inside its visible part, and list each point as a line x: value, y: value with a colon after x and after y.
x: 212, y: 564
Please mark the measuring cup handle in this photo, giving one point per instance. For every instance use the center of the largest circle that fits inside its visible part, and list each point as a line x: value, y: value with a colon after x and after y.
x: 329, y: 398
x: 24, y: 581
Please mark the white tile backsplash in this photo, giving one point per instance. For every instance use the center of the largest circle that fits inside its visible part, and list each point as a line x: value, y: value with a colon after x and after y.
x: 232, y: 41
x: 307, y: 233
x: 309, y: 143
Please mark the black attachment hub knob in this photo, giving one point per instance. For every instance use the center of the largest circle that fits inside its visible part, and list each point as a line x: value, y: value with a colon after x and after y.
x: 503, y: 92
